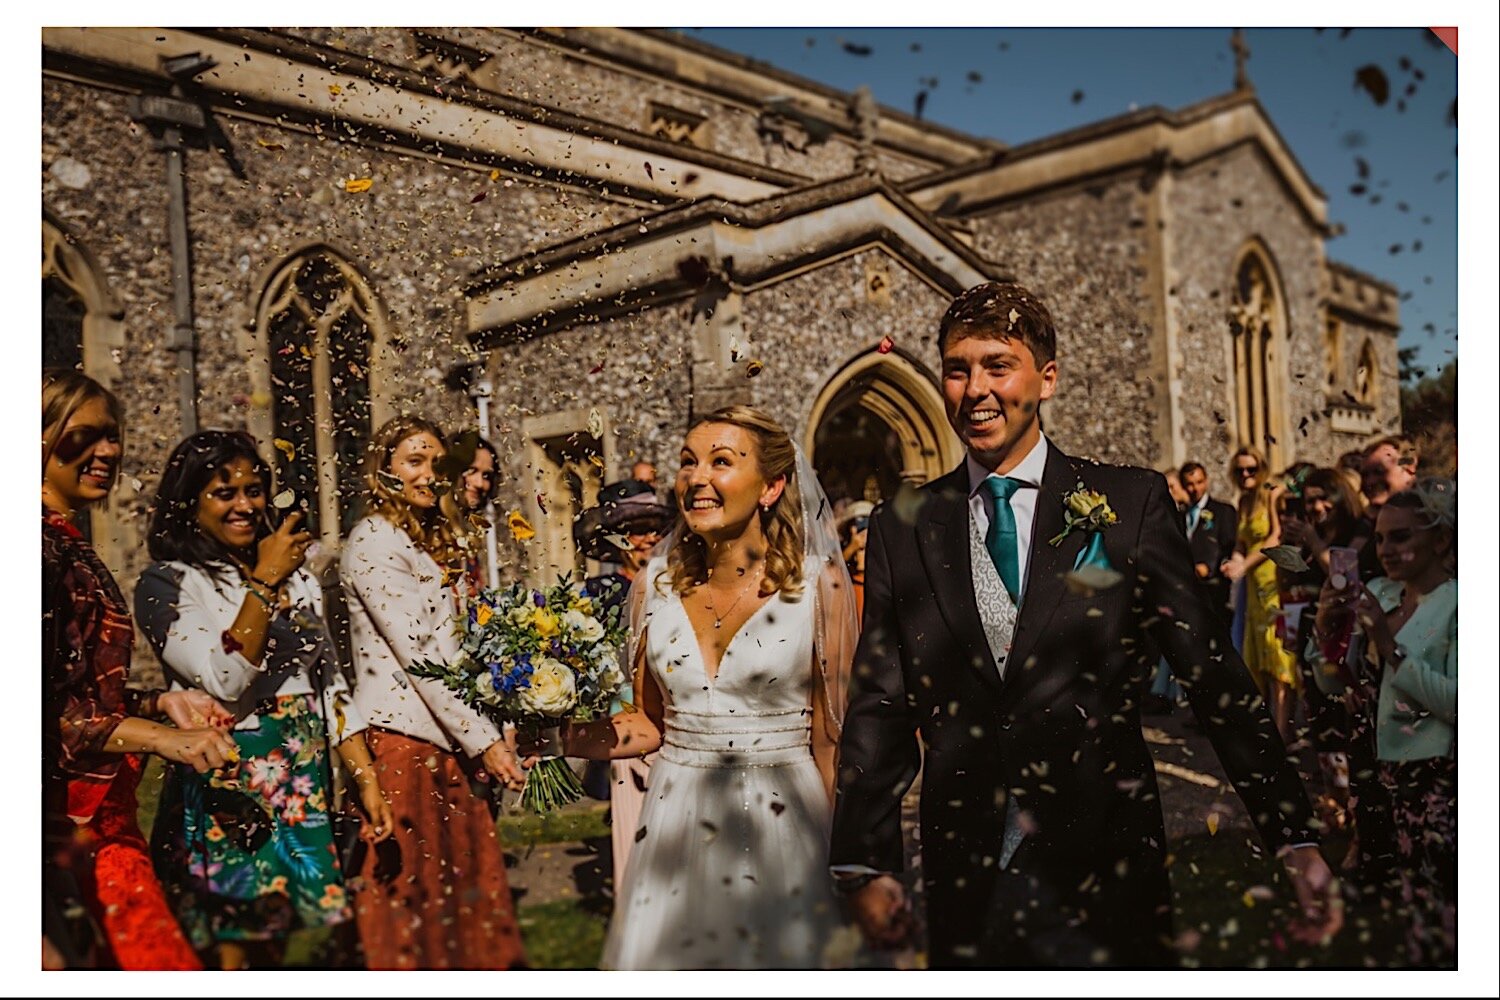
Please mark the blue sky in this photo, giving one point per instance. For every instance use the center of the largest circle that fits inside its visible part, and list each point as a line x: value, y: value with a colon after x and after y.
x: 1019, y: 84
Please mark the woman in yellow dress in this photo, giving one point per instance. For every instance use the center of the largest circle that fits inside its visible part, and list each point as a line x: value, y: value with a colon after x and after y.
x: 1272, y: 666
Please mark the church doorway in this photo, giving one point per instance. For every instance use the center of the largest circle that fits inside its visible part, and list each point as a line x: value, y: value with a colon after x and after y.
x: 877, y: 424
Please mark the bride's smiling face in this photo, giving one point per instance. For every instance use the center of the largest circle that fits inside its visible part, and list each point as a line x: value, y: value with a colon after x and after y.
x: 720, y: 486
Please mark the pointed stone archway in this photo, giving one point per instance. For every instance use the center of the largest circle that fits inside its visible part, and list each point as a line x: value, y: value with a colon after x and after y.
x: 878, y: 423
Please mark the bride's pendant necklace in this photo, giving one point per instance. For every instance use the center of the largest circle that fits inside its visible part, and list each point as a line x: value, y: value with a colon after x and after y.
x: 718, y: 618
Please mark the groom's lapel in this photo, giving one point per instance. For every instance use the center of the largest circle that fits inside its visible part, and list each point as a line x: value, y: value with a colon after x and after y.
x: 944, y: 531
x: 1049, y: 563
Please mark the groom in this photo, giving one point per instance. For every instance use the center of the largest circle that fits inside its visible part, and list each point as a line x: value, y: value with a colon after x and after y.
x: 988, y: 662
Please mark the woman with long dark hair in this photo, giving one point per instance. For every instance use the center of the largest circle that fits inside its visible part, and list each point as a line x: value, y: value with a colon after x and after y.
x: 102, y: 906
x: 435, y: 895
x: 247, y: 853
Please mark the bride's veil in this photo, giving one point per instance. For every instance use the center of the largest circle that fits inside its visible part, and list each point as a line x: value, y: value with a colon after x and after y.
x: 835, y: 618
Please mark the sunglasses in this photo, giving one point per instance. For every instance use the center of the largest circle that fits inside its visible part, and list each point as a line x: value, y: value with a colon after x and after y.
x: 1246, y: 470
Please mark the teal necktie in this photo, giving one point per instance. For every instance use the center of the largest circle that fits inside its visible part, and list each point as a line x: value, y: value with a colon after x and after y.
x: 1193, y: 514
x: 1000, y: 540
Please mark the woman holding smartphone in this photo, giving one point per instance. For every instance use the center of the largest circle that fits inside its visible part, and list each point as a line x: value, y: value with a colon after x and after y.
x: 247, y: 853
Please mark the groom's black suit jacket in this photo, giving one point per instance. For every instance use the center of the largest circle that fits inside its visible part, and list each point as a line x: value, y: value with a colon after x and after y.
x: 1061, y: 731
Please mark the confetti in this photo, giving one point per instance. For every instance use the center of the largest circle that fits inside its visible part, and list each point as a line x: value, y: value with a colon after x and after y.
x: 520, y: 528
x: 886, y: 345
x: 358, y: 185
x: 284, y: 499
x: 286, y: 448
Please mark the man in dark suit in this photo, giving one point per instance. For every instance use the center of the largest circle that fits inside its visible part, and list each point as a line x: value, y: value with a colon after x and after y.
x: 1211, y: 526
x: 1013, y: 609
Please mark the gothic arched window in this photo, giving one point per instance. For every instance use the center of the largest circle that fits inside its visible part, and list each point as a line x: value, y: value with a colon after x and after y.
x: 320, y: 320
x: 1365, y: 375
x: 1257, y: 322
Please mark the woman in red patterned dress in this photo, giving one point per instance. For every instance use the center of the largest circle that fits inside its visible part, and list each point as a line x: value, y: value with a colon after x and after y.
x: 101, y: 903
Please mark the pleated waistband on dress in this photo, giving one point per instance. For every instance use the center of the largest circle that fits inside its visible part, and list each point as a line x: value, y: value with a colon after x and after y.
x: 737, y: 739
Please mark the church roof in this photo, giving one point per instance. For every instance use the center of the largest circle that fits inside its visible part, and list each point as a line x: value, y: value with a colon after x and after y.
x: 1139, y: 138
x: 676, y: 253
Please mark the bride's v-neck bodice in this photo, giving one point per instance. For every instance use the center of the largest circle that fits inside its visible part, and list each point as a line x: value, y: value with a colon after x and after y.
x: 757, y: 710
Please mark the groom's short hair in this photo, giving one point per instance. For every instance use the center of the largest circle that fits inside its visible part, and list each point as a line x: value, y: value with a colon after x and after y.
x: 1001, y: 310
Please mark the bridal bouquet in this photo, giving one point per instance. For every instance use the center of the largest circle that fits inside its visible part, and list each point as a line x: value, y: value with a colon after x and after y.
x: 537, y: 658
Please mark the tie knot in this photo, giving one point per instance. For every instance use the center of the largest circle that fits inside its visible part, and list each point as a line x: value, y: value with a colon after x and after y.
x: 1002, y: 488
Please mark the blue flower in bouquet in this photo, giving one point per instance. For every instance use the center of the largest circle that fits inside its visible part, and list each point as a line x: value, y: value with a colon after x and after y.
x: 538, y: 598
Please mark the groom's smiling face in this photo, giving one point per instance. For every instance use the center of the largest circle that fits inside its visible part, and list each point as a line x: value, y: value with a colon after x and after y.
x: 993, y: 390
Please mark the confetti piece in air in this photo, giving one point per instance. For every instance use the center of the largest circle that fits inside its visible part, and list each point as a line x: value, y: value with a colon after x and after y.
x: 1213, y: 824
x: 286, y: 448
x: 886, y: 345
x: 754, y: 368
x: 596, y: 424
x: 335, y: 89
x: 358, y: 185
x: 520, y: 528
x: 273, y: 146
x: 283, y: 500
x: 477, y: 198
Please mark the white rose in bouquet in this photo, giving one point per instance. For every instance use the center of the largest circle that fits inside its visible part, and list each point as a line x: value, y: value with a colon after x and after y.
x: 582, y: 626
x: 552, y: 691
x: 611, y: 678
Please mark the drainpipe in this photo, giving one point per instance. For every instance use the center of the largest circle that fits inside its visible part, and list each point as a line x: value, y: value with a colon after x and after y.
x: 482, y: 390
x: 169, y: 118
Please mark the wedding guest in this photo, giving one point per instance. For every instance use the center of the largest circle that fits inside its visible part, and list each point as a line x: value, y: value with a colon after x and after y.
x: 247, y: 854
x: 1409, y: 619
x: 644, y: 472
x: 473, y: 462
x: 1351, y: 465
x: 1272, y: 667
x: 102, y: 905
x: 1327, y: 516
x: 854, y: 527
x: 435, y: 895
x: 1174, y: 489
x: 1212, y: 533
x: 1389, y: 466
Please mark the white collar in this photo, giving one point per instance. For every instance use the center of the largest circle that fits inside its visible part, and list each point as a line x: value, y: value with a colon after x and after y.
x: 1201, y: 504
x: 1029, y: 470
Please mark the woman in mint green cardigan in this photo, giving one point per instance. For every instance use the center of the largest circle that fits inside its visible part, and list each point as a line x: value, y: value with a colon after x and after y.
x: 1409, y: 618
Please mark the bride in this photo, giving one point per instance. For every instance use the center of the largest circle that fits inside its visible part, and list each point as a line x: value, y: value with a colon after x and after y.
x: 742, y: 631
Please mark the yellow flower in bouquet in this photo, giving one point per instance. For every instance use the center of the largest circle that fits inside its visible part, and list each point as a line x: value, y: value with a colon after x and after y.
x: 545, y: 623
x: 483, y: 615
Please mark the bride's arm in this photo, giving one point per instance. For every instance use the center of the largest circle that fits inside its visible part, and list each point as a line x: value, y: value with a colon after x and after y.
x: 634, y: 732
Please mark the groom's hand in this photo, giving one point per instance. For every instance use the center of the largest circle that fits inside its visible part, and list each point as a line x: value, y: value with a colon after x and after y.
x: 1317, y: 896
x: 881, y: 910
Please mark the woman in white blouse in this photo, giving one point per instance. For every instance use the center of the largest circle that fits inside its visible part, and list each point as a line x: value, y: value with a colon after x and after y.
x: 435, y: 895
x: 246, y: 853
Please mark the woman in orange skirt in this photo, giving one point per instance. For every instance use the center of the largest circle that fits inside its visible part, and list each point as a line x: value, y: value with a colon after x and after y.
x: 435, y: 895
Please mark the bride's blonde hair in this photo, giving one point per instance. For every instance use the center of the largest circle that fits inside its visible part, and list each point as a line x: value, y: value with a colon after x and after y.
x: 775, y: 457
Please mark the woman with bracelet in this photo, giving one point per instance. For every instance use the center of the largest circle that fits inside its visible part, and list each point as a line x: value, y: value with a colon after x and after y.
x: 248, y: 853
x: 1409, y: 619
x: 436, y: 895
x: 102, y: 906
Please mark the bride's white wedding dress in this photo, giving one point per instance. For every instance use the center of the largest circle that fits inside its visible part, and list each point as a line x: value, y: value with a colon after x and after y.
x: 730, y: 864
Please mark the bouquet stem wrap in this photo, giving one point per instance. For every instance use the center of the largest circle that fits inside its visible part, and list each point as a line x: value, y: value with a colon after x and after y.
x: 552, y: 783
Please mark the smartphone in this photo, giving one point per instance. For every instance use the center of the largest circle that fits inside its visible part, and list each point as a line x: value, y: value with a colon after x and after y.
x: 1343, y: 566
x: 1294, y: 507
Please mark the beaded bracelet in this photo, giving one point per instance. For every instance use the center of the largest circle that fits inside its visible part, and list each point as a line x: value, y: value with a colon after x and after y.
x: 255, y: 579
